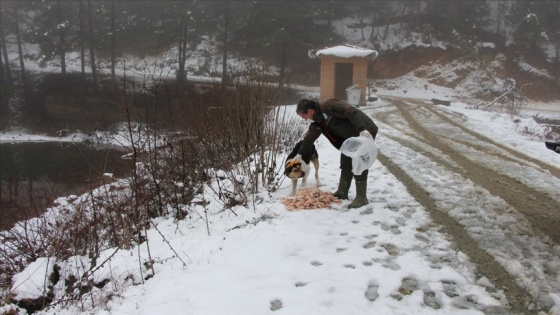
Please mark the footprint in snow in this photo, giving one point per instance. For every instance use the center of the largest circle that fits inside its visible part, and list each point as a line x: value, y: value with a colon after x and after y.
x: 391, y: 249
x: 397, y: 296
x: 449, y: 288
x: 408, y: 286
x: 395, y: 207
x: 371, y: 291
x: 275, y: 305
x: 391, y: 265
x: 316, y: 263
x: 392, y: 228
x: 395, y: 229
x: 368, y: 210
x: 431, y: 300
x: 422, y: 238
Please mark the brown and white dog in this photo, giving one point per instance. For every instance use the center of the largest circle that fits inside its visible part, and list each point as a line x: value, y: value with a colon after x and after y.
x: 296, y: 170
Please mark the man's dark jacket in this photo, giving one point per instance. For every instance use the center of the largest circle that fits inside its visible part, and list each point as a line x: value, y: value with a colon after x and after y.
x: 338, y: 121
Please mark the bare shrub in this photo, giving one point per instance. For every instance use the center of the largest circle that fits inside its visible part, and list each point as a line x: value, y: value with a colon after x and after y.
x: 226, y: 140
x: 510, y: 100
x: 241, y: 131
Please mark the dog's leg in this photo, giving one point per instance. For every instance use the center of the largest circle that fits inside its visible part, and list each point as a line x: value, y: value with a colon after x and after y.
x: 316, y: 165
x: 304, y: 180
x: 294, y: 186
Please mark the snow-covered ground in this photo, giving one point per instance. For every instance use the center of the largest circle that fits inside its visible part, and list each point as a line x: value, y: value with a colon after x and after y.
x: 384, y: 258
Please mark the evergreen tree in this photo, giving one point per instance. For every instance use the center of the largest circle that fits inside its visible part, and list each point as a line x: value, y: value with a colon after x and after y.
x: 6, y: 74
x: 53, y: 30
x: 6, y: 79
x: 467, y: 18
x: 92, y: 44
x: 527, y: 20
x: 284, y: 30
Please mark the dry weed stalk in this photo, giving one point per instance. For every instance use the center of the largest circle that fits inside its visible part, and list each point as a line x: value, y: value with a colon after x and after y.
x: 224, y: 142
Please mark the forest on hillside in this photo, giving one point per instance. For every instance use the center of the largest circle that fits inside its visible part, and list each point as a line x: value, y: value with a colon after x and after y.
x: 275, y: 31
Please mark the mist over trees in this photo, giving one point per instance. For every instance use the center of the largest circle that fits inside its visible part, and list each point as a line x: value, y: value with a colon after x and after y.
x: 177, y: 132
x: 279, y: 32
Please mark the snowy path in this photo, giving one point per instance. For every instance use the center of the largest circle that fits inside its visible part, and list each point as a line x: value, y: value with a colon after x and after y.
x: 457, y: 224
x: 387, y: 257
x: 491, y: 199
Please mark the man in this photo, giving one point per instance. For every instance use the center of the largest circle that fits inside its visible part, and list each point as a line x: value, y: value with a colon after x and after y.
x: 338, y: 121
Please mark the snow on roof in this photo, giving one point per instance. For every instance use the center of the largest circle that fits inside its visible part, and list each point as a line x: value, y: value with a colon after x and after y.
x: 344, y: 51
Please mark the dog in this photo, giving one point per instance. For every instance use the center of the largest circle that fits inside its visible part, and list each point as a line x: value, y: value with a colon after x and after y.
x: 301, y: 169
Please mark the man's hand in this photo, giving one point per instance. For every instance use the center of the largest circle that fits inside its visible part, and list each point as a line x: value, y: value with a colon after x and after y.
x: 366, y: 134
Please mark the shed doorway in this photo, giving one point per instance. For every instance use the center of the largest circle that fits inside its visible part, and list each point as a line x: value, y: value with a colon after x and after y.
x: 343, y: 74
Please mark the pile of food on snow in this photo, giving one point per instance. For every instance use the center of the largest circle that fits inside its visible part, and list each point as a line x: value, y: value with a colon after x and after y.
x: 309, y: 198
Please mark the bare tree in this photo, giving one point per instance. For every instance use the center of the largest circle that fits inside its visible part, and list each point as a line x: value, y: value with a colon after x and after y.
x: 23, y: 77
x: 7, y: 78
x: 82, y: 37
x: 92, y: 44
x: 113, y: 48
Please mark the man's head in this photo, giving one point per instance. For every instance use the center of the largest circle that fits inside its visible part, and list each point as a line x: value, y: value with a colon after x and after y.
x: 306, y: 109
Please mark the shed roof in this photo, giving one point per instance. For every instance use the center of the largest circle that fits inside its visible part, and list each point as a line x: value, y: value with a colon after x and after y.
x: 344, y: 51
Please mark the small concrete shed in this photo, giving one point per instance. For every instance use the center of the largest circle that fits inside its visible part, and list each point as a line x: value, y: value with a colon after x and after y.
x: 344, y: 67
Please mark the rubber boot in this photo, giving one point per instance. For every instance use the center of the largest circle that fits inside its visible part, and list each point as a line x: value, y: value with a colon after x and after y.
x: 361, y: 199
x: 343, y: 188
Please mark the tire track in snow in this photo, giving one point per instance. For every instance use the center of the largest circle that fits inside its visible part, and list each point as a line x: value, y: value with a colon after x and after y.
x: 531, y: 290
x: 553, y: 170
x: 538, y: 208
x: 485, y: 263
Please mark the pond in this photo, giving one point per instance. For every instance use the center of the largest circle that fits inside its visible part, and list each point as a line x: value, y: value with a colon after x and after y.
x: 33, y: 174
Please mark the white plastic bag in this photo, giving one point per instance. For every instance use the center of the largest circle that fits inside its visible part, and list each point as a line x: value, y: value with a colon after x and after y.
x: 363, y: 152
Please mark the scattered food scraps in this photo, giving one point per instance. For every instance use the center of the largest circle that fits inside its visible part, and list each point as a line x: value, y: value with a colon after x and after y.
x: 310, y: 198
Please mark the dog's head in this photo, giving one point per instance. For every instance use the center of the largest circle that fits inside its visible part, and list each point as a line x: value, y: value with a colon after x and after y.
x: 294, y: 170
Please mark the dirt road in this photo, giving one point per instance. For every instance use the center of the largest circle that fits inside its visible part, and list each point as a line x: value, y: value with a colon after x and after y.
x: 499, y: 206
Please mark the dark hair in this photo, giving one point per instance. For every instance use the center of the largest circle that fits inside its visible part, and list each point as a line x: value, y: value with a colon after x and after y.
x: 304, y: 105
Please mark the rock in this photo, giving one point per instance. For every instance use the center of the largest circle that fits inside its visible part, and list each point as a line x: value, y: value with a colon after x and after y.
x: 436, y: 101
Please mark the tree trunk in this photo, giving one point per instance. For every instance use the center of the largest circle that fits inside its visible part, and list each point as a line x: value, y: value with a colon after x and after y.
x: 62, y: 53
x: 362, y: 26
x: 402, y: 17
x: 21, y: 61
x: 181, y: 77
x: 82, y: 39
x: 9, y: 80
x: 283, y: 61
x: 557, y: 43
x: 62, y: 44
x: 92, y: 47
x: 113, y: 43
x: 372, y: 36
x: 4, y: 88
x: 498, y: 17
x: 225, y: 46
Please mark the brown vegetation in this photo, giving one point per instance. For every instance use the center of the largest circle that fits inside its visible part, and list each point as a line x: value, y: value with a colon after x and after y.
x: 226, y: 140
